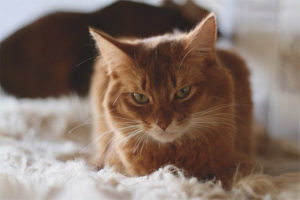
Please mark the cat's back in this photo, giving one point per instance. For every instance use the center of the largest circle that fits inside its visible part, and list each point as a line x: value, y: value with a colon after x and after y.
x: 239, y: 73
x: 243, y: 102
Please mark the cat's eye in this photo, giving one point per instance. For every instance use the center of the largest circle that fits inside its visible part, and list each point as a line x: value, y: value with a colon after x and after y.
x: 183, y: 92
x: 140, y: 98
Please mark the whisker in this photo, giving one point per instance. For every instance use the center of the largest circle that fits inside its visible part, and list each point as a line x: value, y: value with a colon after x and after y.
x: 116, y: 99
x: 213, y: 109
x: 100, y: 135
x: 143, y: 144
x: 90, y: 58
x: 85, y: 123
x: 124, y: 139
x: 125, y: 118
x: 183, y: 58
x: 137, y: 144
x: 127, y: 123
x: 83, y: 149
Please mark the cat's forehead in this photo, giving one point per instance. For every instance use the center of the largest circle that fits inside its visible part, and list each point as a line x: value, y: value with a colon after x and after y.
x: 163, y: 63
x: 159, y: 62
x: 165, y: 52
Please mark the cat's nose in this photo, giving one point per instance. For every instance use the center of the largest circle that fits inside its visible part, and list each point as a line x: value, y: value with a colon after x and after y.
x: 163, y: 125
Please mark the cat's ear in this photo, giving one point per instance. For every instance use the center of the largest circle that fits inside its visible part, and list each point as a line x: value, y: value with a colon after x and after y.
x: 115, y: 53
x: 203, y: 37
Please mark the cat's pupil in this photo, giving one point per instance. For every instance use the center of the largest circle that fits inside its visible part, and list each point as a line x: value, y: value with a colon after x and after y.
x: 183, y: 92
x: 140, y: 98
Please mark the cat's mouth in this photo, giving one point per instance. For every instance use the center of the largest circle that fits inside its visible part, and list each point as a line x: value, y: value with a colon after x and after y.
x: 165, y: 136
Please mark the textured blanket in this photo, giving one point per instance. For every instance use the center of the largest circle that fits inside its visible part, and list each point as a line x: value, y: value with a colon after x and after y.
x: 45, y: 143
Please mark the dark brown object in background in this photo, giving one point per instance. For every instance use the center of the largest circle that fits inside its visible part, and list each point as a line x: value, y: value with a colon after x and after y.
x: 55, y: 54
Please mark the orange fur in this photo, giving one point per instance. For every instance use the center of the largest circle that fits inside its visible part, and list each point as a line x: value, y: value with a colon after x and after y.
x: 207, y: 133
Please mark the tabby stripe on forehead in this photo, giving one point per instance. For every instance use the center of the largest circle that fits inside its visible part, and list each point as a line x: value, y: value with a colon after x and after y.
x: 173, y: 79
x: 144, y: 83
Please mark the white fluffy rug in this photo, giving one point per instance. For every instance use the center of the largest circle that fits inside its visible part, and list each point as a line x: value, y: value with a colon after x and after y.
x: 44, y: 144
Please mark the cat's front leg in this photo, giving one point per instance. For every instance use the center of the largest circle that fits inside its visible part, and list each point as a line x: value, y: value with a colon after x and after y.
x: 242, y: 166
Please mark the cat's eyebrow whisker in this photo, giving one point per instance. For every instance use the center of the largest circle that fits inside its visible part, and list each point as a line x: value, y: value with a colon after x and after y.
x: 183, y: 58
x: 116, y: 99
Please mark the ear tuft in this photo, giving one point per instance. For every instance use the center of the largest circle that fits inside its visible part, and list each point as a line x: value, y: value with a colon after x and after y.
x: 203, y: 36
x: 112, y: 50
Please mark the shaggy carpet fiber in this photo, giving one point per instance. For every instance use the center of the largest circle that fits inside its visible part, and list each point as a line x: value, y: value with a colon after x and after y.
x: 45, y: 143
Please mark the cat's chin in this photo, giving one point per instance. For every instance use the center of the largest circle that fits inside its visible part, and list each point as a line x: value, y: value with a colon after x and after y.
x: 165, y: 137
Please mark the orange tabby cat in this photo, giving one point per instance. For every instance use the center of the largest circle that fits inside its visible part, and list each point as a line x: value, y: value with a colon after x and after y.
x: 171, y: 99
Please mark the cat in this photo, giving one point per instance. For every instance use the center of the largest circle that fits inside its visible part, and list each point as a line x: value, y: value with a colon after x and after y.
x: 171, y: 99
x: 55, y: 53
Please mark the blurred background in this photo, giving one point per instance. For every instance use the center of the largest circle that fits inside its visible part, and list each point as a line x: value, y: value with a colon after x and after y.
x: 265, y: 32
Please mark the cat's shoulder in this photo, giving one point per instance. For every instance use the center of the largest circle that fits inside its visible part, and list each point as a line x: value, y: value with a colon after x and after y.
x: 234, y: 62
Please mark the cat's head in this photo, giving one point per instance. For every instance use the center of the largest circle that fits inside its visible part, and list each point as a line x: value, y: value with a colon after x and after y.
x: 163, y: 86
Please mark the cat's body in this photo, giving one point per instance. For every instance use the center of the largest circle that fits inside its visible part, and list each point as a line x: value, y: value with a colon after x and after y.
x: 171, y: 99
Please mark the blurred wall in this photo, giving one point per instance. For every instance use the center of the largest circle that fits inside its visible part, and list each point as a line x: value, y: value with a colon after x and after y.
x: 17, y: 13
x: 267, y: 35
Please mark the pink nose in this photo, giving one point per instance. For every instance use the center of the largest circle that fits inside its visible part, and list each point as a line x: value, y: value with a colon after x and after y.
x: 163, y: 125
